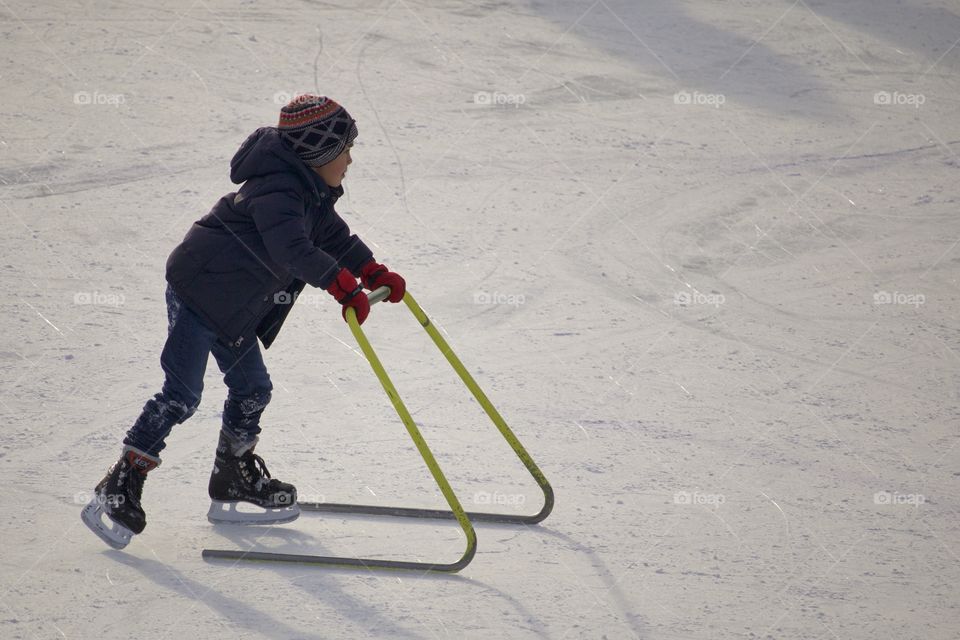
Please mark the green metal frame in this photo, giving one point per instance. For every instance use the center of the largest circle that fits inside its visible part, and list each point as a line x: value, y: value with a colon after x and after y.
x: 456, y: 511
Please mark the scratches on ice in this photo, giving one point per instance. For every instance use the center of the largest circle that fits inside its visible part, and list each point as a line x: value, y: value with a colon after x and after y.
x: 41, y: 315
x: 786, y: 523
x: 581, y: 428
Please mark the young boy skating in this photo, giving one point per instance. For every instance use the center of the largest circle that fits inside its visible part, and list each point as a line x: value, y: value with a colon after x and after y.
x: 233, y: 279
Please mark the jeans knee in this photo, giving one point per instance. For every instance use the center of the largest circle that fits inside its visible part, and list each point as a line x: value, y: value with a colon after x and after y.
x: 179, y: 409
x: 251, y: 404
x: 179, y: 403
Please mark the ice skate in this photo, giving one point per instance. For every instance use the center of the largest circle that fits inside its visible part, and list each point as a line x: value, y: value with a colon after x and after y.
x: 114, y: 513
x: 242, y: 490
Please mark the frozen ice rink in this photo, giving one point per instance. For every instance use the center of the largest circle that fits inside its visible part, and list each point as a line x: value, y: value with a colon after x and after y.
x: 703, y: 256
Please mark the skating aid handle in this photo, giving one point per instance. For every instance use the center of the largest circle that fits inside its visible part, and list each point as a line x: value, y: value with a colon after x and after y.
x: 378, y: 295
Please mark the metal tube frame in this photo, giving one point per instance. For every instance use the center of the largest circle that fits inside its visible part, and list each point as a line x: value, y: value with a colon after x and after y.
x: 456, y: 511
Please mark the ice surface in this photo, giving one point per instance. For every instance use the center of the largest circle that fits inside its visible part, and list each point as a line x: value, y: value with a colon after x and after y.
x: 701, y: 255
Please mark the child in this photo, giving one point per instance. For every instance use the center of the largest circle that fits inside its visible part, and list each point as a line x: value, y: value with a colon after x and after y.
x: 234, y: 279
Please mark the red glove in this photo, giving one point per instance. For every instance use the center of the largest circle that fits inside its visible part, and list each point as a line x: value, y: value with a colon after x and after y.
x: 348, y: 293
x: 374, y: 275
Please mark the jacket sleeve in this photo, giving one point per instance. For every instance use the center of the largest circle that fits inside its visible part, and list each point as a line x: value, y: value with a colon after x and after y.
x: 347, y: 248
x: 279, y: 217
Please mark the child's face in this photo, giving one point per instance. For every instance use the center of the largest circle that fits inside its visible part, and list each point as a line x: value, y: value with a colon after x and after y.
x: 334, y: 171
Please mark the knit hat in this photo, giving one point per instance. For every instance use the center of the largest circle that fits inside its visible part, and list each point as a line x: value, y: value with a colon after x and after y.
x: 317, y: 128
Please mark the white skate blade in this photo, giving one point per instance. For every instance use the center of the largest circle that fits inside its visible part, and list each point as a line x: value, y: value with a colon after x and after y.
x: 226, y: 512
x: 113, y: 533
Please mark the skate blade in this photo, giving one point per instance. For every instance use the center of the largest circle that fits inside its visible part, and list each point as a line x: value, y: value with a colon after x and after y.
x: 226, y: 512
x: 113, y: 533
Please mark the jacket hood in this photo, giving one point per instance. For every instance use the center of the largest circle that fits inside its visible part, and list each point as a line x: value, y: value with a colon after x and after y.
x: 264, y: 153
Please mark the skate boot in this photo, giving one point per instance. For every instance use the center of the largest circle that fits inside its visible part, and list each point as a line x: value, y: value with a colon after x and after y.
x: 115, y: 513
x: 242, y: 491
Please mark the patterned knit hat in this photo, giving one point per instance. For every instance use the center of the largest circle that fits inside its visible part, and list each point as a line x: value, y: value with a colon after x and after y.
x: 317, y: 128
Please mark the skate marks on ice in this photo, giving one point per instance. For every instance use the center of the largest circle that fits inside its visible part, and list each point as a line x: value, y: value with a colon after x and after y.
x: 74, y: 173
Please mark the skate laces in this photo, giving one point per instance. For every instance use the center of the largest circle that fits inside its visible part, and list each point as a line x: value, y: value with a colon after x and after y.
x: 132, y: 483
x: 254, y: 469
x: 136, y: 485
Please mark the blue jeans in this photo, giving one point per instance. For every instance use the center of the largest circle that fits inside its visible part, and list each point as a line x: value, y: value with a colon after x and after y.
x: 184, y: 361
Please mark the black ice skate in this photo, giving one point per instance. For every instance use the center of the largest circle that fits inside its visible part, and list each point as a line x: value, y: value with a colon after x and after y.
x: 242, y: 491
x: 115, y: 513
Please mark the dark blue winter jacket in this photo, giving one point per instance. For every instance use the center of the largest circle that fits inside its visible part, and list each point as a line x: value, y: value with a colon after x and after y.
x: 241, y: 266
